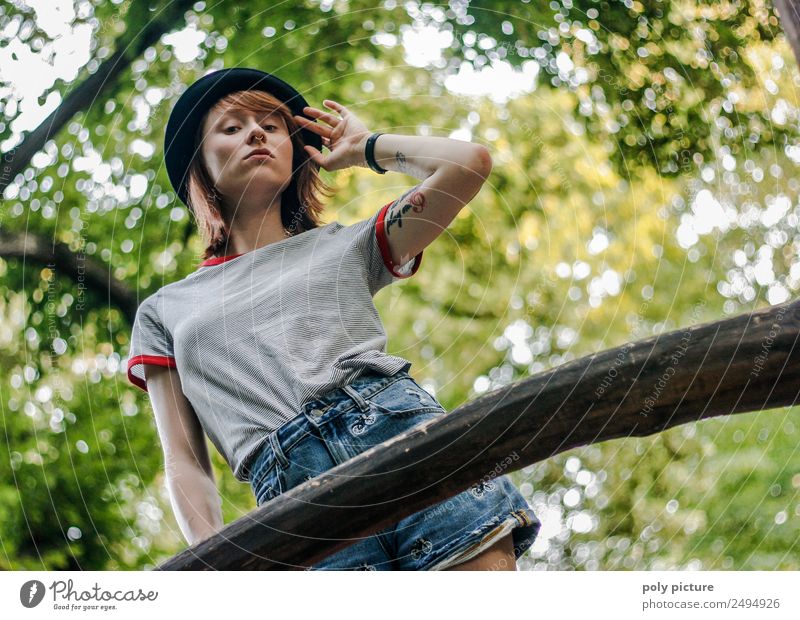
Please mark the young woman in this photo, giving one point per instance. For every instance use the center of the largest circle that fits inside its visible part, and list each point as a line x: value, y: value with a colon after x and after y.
x: 273, y: 347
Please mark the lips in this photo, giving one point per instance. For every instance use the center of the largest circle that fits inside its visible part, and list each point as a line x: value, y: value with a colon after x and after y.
x: 258, y: 152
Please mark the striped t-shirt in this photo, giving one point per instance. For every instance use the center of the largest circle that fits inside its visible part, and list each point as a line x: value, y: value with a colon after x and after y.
x: 255, y: 336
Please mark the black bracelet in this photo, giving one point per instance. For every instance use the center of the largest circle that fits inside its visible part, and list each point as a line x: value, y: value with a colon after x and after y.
x: 369, y: 152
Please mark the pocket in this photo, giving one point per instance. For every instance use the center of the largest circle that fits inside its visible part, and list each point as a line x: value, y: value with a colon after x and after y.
x: 269, y: 484
x: 405, y: 397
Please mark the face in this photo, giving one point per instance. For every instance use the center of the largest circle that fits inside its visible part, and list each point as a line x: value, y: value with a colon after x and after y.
x: 229, y: 136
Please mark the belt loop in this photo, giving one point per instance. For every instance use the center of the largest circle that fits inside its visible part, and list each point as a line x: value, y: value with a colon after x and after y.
x: 276, y: 448
x: 363, y: 405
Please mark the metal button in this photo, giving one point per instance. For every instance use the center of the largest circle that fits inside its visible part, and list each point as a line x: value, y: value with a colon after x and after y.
x: 317, y: 413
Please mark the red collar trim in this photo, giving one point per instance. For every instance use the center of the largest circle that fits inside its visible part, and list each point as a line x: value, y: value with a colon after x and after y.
x: 216, y: 260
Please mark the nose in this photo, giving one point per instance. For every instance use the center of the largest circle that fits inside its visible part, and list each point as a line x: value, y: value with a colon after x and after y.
x: 257, y: 134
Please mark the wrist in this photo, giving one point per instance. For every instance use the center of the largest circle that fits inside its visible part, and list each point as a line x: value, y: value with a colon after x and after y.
x: 369, y: 153
x: 357, y: 150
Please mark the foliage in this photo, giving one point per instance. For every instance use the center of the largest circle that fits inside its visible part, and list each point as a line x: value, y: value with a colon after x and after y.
x: 594, y: 229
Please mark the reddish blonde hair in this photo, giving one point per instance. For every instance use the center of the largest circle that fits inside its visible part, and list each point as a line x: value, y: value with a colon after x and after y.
x: 301, y: 201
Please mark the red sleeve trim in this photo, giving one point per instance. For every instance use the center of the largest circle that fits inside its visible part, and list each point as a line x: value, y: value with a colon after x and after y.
x: 156, y: 360
x: 383, y: 244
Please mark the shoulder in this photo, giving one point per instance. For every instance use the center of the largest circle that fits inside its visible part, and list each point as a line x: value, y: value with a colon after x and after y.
x: 333, y: 233
x: 363, y: 227
x: 152, y: 306
x: 328, y: 229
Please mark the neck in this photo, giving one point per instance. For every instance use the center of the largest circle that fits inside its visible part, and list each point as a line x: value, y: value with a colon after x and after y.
x: 255, y: 229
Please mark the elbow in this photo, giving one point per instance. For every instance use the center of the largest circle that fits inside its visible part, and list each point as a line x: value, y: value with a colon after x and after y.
x: 482, y: 162
x: 473, y: 167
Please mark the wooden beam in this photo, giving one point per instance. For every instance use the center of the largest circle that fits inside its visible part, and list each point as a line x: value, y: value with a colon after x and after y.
x: 746, y: 363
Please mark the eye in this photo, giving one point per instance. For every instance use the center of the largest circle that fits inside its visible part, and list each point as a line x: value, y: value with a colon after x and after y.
x: 234, y: 127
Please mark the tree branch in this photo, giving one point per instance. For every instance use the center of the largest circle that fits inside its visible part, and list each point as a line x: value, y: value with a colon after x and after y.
x: 85, y: 271
x: 143, y: 29
x: 745, y: 363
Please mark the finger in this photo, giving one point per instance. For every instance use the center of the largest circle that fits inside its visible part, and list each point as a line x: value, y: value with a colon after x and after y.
x: 315, y: 127
x: 302, y: 120
x: 333, y: 105
x: 328, y: 118
x: 313, y: 154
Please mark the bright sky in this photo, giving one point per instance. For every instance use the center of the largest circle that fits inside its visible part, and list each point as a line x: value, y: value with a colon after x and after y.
x: 30, y: 74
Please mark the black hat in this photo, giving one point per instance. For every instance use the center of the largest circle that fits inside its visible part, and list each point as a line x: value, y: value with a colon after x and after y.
x: 191, y: 107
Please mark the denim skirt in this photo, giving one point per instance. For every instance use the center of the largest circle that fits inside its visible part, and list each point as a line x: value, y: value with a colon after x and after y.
x: 351, y: 419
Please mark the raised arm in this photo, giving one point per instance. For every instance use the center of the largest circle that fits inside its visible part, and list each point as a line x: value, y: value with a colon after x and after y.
x: 422, y: 156
x: 189, y: 474
x: 452, y: 173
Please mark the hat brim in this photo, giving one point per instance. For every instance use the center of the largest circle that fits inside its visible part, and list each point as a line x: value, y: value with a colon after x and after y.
x: 187, y: 114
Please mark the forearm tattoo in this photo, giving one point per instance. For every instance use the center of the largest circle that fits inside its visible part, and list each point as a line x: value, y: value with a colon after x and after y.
x: 406, y: 168
x: 401, y: 162
x: 412, y: 200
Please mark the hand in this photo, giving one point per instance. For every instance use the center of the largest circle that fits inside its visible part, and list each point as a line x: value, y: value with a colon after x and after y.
x: 345, y: 138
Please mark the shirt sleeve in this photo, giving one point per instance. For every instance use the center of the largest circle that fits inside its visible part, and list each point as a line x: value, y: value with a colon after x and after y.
x: 151, y: 342
x: 372, y: 243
